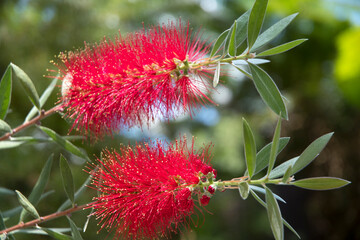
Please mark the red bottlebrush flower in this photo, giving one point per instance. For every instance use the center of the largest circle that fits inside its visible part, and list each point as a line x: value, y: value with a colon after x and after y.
x: 146, y: 191
x: 130, y: 81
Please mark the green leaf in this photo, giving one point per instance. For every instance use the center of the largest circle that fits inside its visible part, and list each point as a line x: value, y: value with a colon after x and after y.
x: 216, y: 75
x: 54, y: 233
x: 321, y: 183
x: 25, y: 203
x: 74, y: 230
x: 257, y: 198
x: 262, y: 157
x: 281, y: 169
x: 242, y: 71
x: 2, y: 223
x: 4, y: 127
x: 5, y: 92
x: 5, y: 191
x: 274, y: 214
x: 281, y: 48
x: 241, y: 28
x: 311, y: 152
x: 291, y: 228
x: 10, y: 144
x: 262, y: 190
x: 219, y: 43
x: 274, y: 147
x: 287, y: 175
x: 268, y: 91
x: 250, y: 148
x: 273, y: 31
x: 244, y: 190
x: 16, y: 210
x: 68, y: 146
x: 78, y: 193
x: 39, y: 187
x: 256, y: 20
x: 232, y: 43
x: 44, y: 97
x: 27, y: 85
x: 67, y: 178
x: 2, y: 227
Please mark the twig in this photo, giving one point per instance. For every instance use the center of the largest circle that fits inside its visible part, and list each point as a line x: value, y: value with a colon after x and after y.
x: 34, y: 222
x: 43, y: 114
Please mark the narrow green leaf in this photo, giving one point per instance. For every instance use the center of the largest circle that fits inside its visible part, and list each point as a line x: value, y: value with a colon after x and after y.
x: 281, y: 48
x: 291, y: 228
x: 216, y: 75
x: 268, y: 91
x: 244, y: 190
x: 55, y: 234
x: 4, y: 127
x: 67, y: 178
x: 287, y: 175
x: 27, y: 85
x: 2, y: 223
x: 74, y: 230
x: 262, y: 190
x: 219, y: 43
x: 68, y: 146
x: 5, y: 191
x: 262, y: 157
x: 273, y: 31
x: 44, y: 97
x: 16, y: 210
x: 274, y: 214
x: 321, y: 183
x: 256, y: 20
x: 10, y: 144
x: 232, y: 43
x: 241, y: 28
x: 311, y: 152
x: 250, y: 148
x: 257, y: 198
x: 242, y: 71
x: 5, y: 92
x: 274, y: 147
x: 78, y: 193
x: 25, y: 203
x: 2, y: 227
x: 29, y: 139
x: 39, y: 187
x: 281, y: 169
x: 88, y: 220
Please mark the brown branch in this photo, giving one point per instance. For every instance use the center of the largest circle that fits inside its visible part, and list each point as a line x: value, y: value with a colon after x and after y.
x: 34, y: 222
x: 43, y: 114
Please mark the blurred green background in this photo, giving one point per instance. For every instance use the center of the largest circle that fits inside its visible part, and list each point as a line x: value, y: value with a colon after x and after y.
x: 320, y: 78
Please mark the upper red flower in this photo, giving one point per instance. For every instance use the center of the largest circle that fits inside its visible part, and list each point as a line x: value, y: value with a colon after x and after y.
x: 146, y: 191
x: 132, y: 80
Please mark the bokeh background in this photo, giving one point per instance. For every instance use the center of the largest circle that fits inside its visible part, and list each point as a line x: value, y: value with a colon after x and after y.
x: 320, y: 78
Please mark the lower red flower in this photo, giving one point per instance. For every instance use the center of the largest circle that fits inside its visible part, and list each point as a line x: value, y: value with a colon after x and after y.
x: 146, y: 191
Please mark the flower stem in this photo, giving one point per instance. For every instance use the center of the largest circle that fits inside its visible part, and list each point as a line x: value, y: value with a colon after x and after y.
x: 234, y: 183
x: 43, y: 114
x: 37, y: 221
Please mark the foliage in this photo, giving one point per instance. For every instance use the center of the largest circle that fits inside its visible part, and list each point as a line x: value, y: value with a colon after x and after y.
x: 28, y: 139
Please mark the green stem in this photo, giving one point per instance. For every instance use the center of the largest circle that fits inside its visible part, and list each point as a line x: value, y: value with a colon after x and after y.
x: 236, y: 182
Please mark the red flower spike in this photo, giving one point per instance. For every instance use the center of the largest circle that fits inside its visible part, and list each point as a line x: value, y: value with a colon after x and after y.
x: 146, y: 190
x: 131, y: 81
